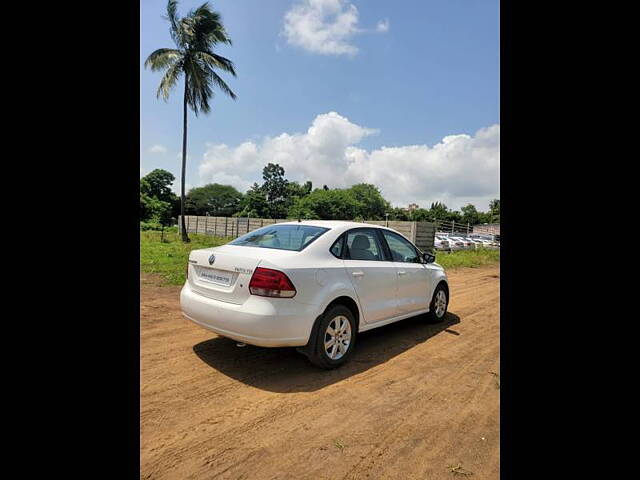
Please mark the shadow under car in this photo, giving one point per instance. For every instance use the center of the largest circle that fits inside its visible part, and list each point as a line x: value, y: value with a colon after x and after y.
x: 284, y: 370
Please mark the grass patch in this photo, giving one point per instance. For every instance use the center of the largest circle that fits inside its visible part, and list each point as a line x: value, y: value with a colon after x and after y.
x: 468, y: 258
x: 168, y: 258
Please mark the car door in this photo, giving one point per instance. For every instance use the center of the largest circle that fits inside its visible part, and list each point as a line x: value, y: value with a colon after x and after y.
x: 413, y: 275
x: 373, y: 276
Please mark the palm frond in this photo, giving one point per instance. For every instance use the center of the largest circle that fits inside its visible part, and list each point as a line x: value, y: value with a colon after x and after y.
x: 207, y: 27
x: 172, y: 12
x: 221, y: 84
x: 205, y: 12
x: 220, y: 35
x: 162, y: 58
x: 169, y: 80
x: 187, y: 31
x: 198, y: 86
x: 216, y: 61
x: 175, y: 29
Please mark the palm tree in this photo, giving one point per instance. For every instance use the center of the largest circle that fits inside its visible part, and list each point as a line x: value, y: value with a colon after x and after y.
x: 195, y: 36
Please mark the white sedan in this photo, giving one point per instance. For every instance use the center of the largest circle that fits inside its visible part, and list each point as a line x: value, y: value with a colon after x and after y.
x: 458, y: 243
x: 484, y: 242
x: 441, y: 243
x: 312, y: 285
x: 477, y: 243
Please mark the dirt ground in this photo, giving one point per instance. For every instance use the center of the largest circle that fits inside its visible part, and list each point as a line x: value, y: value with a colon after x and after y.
x: 416, y: 401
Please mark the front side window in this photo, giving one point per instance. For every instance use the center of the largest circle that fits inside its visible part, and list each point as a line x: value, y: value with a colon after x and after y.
x: 401, y: 248
x: 363, y: 244
x: 281, y: 237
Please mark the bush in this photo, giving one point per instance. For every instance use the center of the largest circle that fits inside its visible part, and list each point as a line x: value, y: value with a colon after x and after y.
x: 145, y: 226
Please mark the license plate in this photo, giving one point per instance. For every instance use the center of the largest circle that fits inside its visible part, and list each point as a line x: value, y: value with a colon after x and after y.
x: 211, y: 275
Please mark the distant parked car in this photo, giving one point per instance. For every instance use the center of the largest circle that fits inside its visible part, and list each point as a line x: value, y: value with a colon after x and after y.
x: 456, y: 243
x: 441, y: 243
x: 465, y: 244
x: 486, y: 243
x: 475, y: 242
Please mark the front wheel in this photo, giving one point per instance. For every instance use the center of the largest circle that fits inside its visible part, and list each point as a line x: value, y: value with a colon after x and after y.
x: 335, y: 338
x: 439, y: 304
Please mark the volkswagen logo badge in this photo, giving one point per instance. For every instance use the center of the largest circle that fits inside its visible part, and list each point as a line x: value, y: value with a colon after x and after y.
x: 212, y: 258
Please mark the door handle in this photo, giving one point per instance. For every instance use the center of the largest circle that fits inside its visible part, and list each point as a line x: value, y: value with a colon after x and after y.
x: 357, y: 274
x: 402, y: 272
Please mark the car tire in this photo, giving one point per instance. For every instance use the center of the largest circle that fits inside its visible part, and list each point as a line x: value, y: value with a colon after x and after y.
x: 343, y: 324
x: 436, y: 312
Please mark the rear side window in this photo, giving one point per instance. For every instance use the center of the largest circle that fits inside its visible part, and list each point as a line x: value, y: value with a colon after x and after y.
x: 336, y: 249
x: 281, y: 237
x: 363, y: 244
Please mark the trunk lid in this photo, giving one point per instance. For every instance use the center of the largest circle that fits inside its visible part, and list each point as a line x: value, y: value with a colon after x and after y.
x: 223, y: 273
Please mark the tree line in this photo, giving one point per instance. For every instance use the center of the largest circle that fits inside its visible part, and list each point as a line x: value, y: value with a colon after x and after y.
x: 278, y: 197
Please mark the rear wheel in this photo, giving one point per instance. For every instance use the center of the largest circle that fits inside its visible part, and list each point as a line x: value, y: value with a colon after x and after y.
x: 334, y: 338
x: 439, y: 304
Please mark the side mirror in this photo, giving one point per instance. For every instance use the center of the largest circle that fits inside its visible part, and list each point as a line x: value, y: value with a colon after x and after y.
x: 428, y: 257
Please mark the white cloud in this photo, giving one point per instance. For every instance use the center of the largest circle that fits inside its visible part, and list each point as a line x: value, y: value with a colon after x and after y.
x: 324, y: 26
x: 459, y: 169
x: 382, y: 26
x: 158, y: 149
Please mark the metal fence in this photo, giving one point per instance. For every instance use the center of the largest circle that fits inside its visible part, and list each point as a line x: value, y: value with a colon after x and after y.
x: 467, y: 229
x: 420, y: 233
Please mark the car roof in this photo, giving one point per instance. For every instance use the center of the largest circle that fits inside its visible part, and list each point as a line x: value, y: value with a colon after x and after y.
x: 322, y: 223
x: 342, y: 224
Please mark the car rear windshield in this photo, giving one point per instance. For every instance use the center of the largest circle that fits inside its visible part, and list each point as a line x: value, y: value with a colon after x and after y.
x: 281, y: 237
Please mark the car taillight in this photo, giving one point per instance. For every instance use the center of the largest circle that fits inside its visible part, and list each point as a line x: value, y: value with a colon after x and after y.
x: 266, y: 282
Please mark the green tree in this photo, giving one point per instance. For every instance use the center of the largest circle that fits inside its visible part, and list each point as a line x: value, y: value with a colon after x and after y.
x: 303, y: 210
x: 195, y: 37
x: 254, y: 204
x: 484, y: 217
x: 454, y: 216
x: 157, y: 184
x: 438, y: 211
x: 214, y: 199
x: 400, y: 214
x: 372, y: 206
x: 331, y: 204
x: 294, y: 189
x: 151, y: 208
x: 470, y: 214
x: 276, y: 190
x: 420, y: 215
x: 494, y: 210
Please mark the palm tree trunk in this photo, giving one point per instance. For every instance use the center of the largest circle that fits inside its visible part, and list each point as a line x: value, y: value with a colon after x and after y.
x: 185, y: 236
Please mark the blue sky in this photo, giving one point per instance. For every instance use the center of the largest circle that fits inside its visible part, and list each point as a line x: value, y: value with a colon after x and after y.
x: 402, y: 94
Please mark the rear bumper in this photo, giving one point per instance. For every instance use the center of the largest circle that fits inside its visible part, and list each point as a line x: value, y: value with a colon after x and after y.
x: 265, y: 322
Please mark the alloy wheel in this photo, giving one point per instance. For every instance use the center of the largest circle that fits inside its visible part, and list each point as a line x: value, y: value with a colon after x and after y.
x: 337, y: 337
x: 440, y: 303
